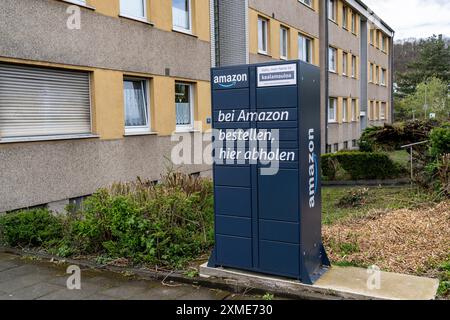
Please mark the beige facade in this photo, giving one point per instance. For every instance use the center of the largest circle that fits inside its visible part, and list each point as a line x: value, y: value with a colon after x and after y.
x: 110, y: 48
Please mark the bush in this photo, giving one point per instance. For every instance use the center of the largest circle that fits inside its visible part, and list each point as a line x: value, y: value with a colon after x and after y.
x: 33, y: 228
x: 165, y: 224
x: 440, y: 141
x: 354, y: 198
x: 360, y: 165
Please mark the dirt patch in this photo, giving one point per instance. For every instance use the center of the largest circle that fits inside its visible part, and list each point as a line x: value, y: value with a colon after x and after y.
x: 404, y: 241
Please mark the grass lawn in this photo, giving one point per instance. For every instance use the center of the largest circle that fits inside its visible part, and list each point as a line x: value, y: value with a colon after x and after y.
x: 378, y: 198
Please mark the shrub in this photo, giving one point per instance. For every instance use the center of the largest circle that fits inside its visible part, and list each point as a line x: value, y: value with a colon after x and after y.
x: 355, y: 198
x: 360, y: 165
x: 165, y: 224
x: 33, y: 228
x: 440, y: 141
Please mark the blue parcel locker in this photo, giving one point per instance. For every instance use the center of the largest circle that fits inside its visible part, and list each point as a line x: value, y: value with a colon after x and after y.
x: 267, y: 116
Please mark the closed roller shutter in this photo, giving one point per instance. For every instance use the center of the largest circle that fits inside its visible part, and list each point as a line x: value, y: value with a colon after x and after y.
x: 43, y: 102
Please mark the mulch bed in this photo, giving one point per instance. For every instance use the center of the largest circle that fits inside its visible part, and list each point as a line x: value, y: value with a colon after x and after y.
x: 403, y: 241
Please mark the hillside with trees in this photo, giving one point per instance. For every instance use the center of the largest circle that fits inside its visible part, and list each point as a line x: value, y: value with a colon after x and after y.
x: 422, y: 78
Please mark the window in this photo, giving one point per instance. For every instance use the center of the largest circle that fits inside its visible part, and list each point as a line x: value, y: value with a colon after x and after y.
x: 377, y: 75
x: 336, y: 147
x: 332, y: 106
x: 184, y: 106
x: 354, y: 110
x: 371, y: 73
x: 332, y: 10
x: 332, y: 55
x: 370, y: 110
x: 383, y: 43
x: 344, y: 63
x: 372, y: 36
x: 304, y: 48
x: 344, y: 110
x: 135, y: 94
x: 354, y: 143
x: 307, y: 2
x: 345, y: 17
x: 328, y: 148
x: 353, y: 66
x: 133, y: 8
x: 345, y: 145
x: 284, y: 43
x: 36, y: 102
x: 181, y: 15
x: 262, y: 35
x: 383, y: 77
x: 377, y: 110
x: 383, y: 111
x: 353, y: 22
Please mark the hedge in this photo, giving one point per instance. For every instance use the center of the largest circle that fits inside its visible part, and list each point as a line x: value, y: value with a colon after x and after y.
x: 359, y: 165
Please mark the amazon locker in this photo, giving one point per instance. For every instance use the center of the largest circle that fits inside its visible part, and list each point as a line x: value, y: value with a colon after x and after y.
x: 266, y: 121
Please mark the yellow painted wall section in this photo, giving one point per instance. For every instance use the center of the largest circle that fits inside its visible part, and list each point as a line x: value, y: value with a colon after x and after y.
x: 163, y: 103
x: 160, y: 13
x: 253, y: 31
x: 339, y: 110
x: 339, y: 61
x: 293, y: 44
x: 201, y: 19
x: 274, y: 38
x: 106, y: 7
x: 107, y: 104
x: 316, y: 53
x: 340, y: 5
x: 316, y: 5
x: 203, y: 103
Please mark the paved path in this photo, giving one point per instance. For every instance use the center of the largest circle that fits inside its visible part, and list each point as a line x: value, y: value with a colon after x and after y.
x: 24, y: 279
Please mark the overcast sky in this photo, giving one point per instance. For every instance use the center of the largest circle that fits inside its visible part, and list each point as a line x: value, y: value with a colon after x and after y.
x: 414, y: 18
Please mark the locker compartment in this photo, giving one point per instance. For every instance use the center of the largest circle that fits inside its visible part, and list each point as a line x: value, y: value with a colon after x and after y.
x: 231, y: 201
x: 279, y: 258
x: 231, y: 99
x: 234, y: 251
x: 232, y: 176
x: 283, y: 187
x: 277, y: 97
x: 279, y: 231
x: 234, y: 226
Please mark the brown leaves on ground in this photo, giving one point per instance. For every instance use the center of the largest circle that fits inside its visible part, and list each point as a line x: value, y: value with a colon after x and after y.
x: 404, y: 241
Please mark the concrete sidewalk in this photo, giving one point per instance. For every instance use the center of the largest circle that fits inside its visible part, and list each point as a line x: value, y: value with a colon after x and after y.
x: 22, y: 279
x: 338, y: 282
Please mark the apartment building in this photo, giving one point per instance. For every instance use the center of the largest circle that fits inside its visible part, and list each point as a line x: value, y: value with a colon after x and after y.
x: 348, y: 41
x: 92, y: 91
x: 90, y: 95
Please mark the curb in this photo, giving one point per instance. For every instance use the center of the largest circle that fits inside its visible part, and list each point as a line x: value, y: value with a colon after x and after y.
x: 230, y: 285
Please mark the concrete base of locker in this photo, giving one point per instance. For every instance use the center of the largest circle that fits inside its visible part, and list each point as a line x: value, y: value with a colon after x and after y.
x: 337, y: 283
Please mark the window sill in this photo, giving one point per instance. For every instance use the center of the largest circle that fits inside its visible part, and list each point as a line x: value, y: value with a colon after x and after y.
x: 264, y: 54
x: 308, y: 6
x: 136, y: 19
x: 333, y: 72
x: 181, y: 131
x: 186, y: 32
x: 79, y: 4
x: 144, y: 133
x: 48, y: 138
x: 332, y: 122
